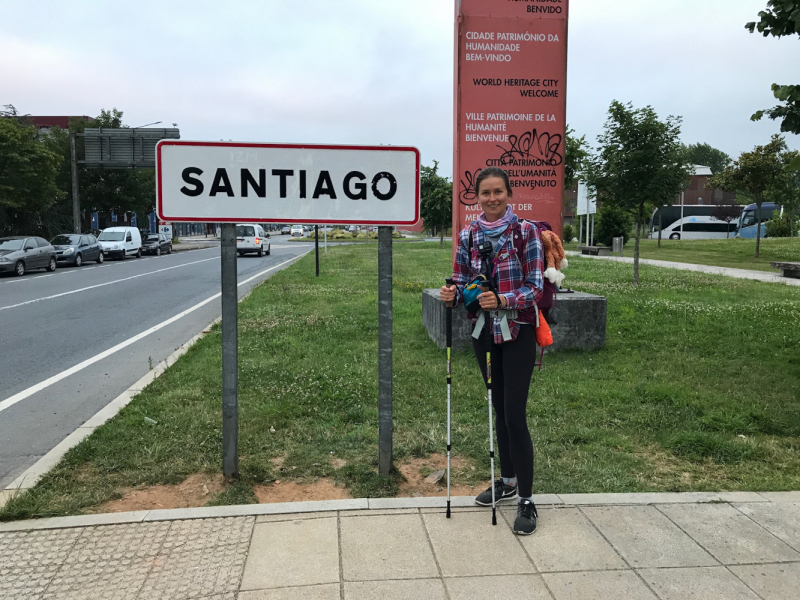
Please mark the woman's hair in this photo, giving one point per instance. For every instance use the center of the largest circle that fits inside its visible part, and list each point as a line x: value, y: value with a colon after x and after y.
x: 492, y: 172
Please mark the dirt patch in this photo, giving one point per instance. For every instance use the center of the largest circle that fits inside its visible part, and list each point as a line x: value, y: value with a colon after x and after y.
x: 198, y: 489
x: 194, y: 491
x: 417, y: 470
x: 290, y: 491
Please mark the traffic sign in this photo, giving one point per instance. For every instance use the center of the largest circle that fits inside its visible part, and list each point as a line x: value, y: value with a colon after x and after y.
x: 232, y: 182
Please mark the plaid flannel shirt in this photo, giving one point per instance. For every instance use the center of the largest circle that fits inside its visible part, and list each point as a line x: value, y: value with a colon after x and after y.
x: 519, y: 279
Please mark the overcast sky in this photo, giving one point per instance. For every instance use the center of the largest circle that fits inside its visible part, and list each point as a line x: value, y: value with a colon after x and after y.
x: 376, y: 71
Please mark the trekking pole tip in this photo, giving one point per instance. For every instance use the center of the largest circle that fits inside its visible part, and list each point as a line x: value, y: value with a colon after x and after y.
x: 494, y: 517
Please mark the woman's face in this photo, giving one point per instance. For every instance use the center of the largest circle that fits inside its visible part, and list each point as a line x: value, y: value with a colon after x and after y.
x: 493, y: 197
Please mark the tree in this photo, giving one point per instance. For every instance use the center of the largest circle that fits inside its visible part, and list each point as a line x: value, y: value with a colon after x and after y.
x: 785, y: 189
x: 704, y: 154
x: 754, y: 172
x: 576, y: 155
x: 612, y: 222
x: 781, y: 18
x: 639, y: 163
x: 727, y: 213
x: 27, y: 176
x: 436, y: 200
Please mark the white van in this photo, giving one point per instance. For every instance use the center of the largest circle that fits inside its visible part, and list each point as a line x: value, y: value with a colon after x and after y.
x: 251, y: 237
x: 120, y: 242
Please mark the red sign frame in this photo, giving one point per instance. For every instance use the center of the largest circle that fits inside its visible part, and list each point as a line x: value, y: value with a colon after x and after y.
x: 170, y: 218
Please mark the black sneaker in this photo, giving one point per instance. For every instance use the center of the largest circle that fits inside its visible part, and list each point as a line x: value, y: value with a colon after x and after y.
x: 502, y: 491
x: 525, y: 523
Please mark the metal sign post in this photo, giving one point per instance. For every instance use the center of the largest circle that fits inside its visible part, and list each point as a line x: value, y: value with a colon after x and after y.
x: 316, y: 246
x: 230, y: 354
x: 384, y: 350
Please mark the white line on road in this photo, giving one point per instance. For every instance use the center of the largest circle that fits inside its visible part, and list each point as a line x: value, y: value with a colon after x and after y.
x: 105, y: 265
x: 91, y: 287
x: 8, y: 402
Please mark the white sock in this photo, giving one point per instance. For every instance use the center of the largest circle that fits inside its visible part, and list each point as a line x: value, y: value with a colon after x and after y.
x: 529, y: 498
x: 512, y: 481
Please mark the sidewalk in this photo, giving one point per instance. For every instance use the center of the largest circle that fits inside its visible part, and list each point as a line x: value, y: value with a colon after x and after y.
x: 714, y: 270
x: 195, y: 242
x: 704, y: 546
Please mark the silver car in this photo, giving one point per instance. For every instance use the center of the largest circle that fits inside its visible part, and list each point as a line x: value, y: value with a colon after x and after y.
x: 23, y: 253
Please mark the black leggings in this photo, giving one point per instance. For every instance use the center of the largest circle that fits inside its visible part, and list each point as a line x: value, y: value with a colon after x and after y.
x: 512, y: 368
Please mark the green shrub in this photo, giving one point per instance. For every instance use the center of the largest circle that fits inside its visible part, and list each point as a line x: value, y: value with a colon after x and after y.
x: 612, y: 222
x: 568, y: 235
x: 782, y: 226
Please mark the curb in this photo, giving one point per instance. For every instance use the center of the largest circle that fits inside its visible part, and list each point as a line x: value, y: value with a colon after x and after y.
x: 383, y: 504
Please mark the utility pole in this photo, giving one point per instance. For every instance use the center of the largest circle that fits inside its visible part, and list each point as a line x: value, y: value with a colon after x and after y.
x: 76, y: 203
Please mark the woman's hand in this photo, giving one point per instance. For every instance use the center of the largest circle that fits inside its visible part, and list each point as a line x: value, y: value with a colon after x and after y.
x: 447, y: 294
x: 489, y: 301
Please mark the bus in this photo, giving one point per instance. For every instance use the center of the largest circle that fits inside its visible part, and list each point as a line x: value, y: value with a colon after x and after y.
x: 746, y: 226
x: 696, y: 223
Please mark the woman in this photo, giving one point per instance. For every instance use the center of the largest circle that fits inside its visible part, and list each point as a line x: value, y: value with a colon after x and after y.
x: 516, y: 268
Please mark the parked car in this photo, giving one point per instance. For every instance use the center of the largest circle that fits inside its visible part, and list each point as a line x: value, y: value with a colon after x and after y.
x: 297, y: 231
x: 121, y: 242
x: 251, y: 238
x: 156, y: 243
x: 20, y: 254
x: 76, y: 248
x: 286, y: 230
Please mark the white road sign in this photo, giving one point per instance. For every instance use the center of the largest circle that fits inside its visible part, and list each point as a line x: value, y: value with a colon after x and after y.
x: 586, y: 204
x: 232, y: 182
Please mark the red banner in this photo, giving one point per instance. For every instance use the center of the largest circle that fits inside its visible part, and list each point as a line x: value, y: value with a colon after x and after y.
x: 510, y: 104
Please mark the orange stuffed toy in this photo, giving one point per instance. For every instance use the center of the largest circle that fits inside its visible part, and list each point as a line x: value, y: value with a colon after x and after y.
x: 554, y: 257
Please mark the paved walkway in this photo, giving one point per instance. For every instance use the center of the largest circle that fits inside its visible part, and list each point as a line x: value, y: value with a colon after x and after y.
x: 703, y: 546
x: 728, y: 271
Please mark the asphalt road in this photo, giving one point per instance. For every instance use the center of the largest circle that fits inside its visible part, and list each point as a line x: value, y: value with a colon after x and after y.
x: 52, y: 322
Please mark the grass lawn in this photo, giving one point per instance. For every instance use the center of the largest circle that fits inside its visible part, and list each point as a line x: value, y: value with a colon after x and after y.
x: 737, y: 253
x: 697, y: 389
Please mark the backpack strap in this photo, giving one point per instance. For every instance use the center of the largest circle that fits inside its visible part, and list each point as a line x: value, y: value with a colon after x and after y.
x: 519, y: 245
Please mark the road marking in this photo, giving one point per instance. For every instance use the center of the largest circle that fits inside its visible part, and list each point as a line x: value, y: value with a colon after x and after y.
x: 91, y: 287
x: 8, y: 402
x: 105, y: 264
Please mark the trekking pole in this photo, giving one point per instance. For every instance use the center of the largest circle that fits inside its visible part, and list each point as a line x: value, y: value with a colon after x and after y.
x: 489, y: 339
x: 449, y: 333
x: 485, y: 250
